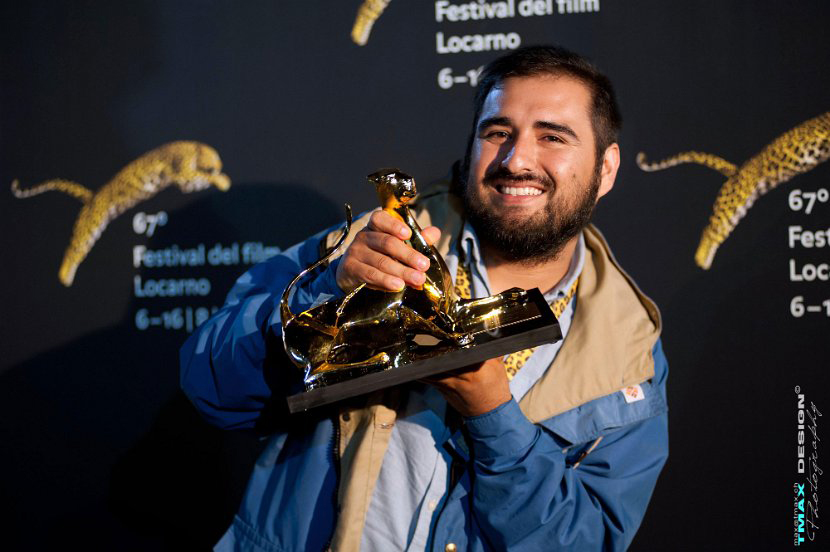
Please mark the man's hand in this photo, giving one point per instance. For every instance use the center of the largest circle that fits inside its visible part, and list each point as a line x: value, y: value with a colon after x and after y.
x: 379, y: 257
x: 475, y: 390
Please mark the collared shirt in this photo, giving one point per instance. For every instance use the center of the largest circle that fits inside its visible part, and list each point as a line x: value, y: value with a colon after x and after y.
x: 413, y: 479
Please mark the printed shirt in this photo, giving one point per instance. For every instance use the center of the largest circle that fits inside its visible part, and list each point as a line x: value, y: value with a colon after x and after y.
x: 412, y: 484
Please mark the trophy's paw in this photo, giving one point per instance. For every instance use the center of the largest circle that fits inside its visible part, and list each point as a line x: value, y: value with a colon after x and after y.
x: 515, y: 294
x: 330, y: 373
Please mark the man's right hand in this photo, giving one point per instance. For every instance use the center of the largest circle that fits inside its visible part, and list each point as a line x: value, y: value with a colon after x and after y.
x: 379, y: 257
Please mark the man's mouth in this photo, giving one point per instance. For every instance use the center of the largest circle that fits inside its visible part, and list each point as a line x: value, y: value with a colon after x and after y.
x: 518, y: 190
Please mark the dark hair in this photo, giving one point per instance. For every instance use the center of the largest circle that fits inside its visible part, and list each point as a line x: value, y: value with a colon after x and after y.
x: 552, y: 60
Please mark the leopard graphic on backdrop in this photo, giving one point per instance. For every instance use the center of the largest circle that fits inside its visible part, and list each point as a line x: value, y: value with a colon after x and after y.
x: 192, y: 166
x: 794, y: 152
x: 367, y: 14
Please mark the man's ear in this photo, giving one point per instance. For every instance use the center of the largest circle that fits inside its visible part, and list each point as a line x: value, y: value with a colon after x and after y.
x: 608, y: 172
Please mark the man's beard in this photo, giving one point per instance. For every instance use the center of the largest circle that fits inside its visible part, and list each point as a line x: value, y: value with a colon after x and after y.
x: 539, y: 238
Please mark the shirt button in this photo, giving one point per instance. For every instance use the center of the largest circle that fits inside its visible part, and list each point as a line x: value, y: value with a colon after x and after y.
x: 451, y: 547
x: 431, y: 505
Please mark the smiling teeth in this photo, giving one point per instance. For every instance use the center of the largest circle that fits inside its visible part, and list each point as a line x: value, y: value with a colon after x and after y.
x: 521, y: 191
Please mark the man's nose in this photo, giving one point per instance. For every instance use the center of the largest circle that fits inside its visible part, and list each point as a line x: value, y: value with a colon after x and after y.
x: 519, y: 155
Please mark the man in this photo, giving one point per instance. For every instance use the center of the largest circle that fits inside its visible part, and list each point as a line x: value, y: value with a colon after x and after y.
x: 554, y: 449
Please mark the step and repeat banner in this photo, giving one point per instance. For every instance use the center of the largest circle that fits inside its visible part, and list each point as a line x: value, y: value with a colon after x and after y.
x: 152, y: 151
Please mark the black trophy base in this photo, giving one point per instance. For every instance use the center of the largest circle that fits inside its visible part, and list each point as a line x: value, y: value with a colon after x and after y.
x: 534, y: 326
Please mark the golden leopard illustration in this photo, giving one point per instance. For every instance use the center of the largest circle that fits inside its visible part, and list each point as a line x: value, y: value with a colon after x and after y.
x: 794, y: 152
x: 192, y: 166
x: 367, y: 14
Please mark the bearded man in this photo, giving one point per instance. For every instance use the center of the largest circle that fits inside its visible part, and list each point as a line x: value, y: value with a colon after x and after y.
x: 556, y: 448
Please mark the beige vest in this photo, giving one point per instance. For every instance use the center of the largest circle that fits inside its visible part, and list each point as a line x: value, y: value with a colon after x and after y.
x: 608, y: 347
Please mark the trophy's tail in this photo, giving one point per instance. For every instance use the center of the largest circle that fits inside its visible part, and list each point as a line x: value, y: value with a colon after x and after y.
x: 285, y: 312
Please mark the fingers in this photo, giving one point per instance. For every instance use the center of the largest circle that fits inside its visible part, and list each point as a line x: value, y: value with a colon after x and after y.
x: 474, y: 390
x: 381, y: 221
x: 381, y: 270
x: 396, y: 250
x: 379, y: 257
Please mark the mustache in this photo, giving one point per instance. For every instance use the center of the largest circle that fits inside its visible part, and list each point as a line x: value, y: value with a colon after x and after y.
x: 503, y: 174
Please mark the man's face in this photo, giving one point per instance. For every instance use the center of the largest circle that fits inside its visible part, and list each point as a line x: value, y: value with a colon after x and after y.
x: 534, y: 174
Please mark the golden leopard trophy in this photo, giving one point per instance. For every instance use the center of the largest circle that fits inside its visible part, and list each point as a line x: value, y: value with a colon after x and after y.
x: 372, y: 339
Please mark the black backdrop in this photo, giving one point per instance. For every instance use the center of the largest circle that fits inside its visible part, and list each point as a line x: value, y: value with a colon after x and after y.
x: 98, y: 444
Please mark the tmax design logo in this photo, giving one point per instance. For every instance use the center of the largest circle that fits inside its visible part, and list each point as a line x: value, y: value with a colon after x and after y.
x: 192, y: 166
x: 794, y: 152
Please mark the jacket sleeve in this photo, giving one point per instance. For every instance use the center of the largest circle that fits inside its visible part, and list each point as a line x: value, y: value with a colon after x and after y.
x: 527, y: 496
x: 226, y: 364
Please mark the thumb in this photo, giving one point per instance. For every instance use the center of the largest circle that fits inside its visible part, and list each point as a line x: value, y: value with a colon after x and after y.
x: 431, y: 234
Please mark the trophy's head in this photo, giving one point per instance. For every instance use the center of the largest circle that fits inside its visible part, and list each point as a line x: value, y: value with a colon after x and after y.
x: 393, y: 185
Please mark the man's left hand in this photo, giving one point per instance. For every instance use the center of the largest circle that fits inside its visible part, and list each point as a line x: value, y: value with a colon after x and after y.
x: 475, y: 390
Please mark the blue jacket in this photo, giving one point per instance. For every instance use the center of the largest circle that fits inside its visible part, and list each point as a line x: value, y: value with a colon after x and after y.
x: 572, y: 467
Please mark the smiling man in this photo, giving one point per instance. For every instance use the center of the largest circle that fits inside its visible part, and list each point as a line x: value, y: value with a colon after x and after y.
x: 535, y: 178
x: 556, y: 448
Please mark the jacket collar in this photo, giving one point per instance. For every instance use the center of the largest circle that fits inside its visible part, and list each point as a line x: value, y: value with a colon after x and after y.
x: 609, y: 345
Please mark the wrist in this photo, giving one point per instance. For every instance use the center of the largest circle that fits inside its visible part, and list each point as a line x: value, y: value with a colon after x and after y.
x: 484, y: 405
x: 503, y: 431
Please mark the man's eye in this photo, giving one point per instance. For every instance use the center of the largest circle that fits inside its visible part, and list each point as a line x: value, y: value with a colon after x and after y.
x: 497, y: 136
x: 552, y: 138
